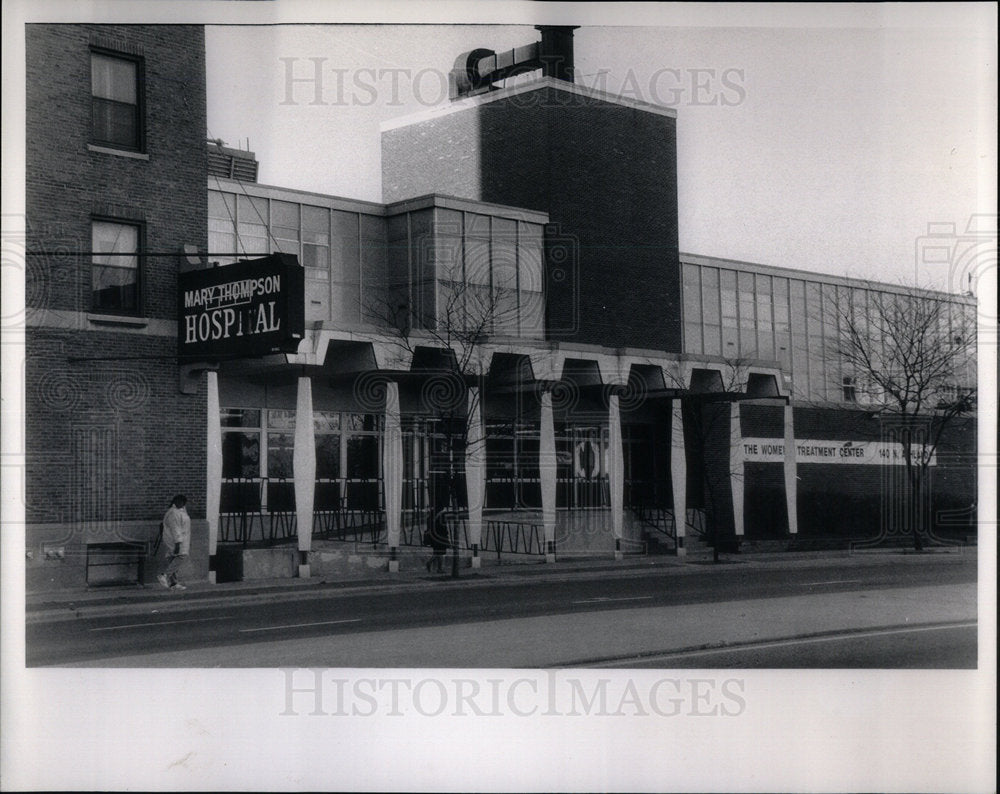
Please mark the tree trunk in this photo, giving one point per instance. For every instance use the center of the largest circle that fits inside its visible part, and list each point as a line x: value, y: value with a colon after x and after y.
x: 917, y: 509
x: 452, y: 502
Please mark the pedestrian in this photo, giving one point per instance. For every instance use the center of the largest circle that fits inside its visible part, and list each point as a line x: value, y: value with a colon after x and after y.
x: 177, y: 539
x: 437, y: 538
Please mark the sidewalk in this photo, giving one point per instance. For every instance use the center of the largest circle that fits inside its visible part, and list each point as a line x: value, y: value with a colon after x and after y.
x: 110, y: 600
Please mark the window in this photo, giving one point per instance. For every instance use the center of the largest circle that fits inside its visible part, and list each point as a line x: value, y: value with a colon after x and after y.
x: 240, y: 443
x: 692, y: 309
x: 316, y: 241
x: 222, y: 226
x: 850, y: 390
x: 252, y: 227
x: 116, y: 100
x: 115, y: 266
x: 530, y: 280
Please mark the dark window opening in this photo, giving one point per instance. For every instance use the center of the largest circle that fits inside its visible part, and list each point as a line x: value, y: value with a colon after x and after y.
x: 115, y: 266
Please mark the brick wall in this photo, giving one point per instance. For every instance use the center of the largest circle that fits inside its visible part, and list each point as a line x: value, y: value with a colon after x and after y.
x: 109, y: 435
x: 606, y: 174
x: 67, y: 183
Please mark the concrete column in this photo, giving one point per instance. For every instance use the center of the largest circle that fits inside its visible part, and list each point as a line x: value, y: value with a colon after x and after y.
x: 547, y: 473
x: 213, y: 467
x: 616, y: 471
x: 736, y: 466
x: 791, y: 472
x: 392, y: 472
x: 304, y: 470
x: 475, y: 472
x: 678, y: 474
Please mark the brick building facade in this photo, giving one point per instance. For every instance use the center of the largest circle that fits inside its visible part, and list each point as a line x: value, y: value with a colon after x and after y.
x: 115, y: 146
x: 617, y: 397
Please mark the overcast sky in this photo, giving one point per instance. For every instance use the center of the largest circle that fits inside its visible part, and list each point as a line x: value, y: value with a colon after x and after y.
x: 822, y: 148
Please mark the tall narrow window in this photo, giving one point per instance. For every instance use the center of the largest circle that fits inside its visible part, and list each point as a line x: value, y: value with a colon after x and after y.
x: 115, y: 267
x: 850, y: 390
x: 116, y: 100
x: 221, y: 226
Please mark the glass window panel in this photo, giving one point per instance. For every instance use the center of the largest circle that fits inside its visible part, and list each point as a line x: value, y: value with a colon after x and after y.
x: 477, y: 261
x: 221, y: 225
x: 113, y: 78
x: 240, y: 417
x: 285, y: 226
x: 710, y: 294
x: 713, y: 343
x: 765, y: 328
x: 114, y: 103
x: 285, y: 214
x: 252, y: 226
x: 692, y: 338
x: 730, y: 337
x: 326, y: 422
x: 280, y: 453
x: 316, y: 224
x: 814, y: 320
x: 370, y: 423
x: 782, y: 338
x: 280, y: 420
x: 345, y: 251
x: 447, y: 221
x: 114, y: 123
x: 448, y: 257
x: 327, y: 456
x: 748, y: 319
x: 692, y: 294
x: 362, y: 457
x: 240, y: 454
x: 114, y: 279
x: 222, y: 205
x: 532, y: 311
x: 117, y: 238
x: 505, y: 296
x: 529, y: 257
x: 374, y: 267
x: 728, y: 279
x: 477, y: 225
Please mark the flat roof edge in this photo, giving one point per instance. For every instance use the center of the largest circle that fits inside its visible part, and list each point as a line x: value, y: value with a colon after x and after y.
x: 813, y: 275
x: 477, y: 100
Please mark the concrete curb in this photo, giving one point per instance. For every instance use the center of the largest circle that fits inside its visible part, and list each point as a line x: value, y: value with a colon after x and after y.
x: 67, y: 606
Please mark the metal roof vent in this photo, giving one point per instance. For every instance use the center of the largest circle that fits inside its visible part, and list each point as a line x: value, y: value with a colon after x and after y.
x: 476, y: 71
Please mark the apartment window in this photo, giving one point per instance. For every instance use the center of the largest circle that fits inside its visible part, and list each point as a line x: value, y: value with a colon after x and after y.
x: 115, y: 266
x: 116, y: 100
x: 850, y: 390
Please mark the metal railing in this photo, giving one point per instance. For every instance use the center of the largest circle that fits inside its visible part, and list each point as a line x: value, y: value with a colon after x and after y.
x: 242, y: 515
x: 513, y: 537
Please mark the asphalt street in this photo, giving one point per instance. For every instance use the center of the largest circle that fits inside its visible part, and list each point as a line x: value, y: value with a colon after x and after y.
x: 239, y: 633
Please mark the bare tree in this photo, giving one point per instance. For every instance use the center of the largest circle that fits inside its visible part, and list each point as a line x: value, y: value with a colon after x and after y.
x: 910, y: 355
x: 458, y: 319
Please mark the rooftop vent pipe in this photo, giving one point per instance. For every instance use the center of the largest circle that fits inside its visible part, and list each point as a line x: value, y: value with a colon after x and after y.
x: 477, y: 70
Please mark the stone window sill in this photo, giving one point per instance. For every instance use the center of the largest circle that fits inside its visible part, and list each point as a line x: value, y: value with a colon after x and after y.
x: 118, y: 319
x: 120, y: 152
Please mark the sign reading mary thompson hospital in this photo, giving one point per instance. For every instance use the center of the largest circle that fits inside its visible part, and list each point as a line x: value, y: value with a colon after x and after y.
x: 250, y: 308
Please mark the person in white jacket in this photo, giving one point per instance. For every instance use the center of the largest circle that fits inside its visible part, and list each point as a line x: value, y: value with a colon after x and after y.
x: 177, y: 539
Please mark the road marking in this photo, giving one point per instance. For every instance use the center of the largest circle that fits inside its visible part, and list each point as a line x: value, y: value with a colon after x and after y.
x: 832, y: 581
x: 301, y: 625
x: 157, y: 623
x: 751, y: 646
x: 605, y: 600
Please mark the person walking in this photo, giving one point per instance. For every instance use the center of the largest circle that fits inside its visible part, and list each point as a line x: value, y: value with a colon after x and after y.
x: 437, y: 538
x: 177, y: 538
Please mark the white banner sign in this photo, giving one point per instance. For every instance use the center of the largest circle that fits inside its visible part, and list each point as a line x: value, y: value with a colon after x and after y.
x: 772, y: 450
